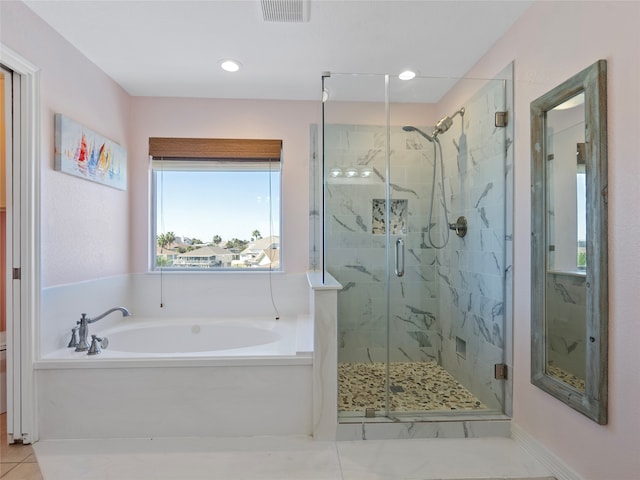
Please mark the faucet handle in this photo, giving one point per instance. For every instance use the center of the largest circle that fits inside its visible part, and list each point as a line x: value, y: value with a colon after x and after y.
x: 73, y: 342
x: 96, y: 344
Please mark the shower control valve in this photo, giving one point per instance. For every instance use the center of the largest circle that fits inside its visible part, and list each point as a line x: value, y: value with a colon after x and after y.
x: 460, y: 226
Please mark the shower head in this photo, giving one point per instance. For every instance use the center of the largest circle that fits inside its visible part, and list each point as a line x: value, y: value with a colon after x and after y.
x: 443, y: 125
x: 445, y: 122
x: 411, y: 128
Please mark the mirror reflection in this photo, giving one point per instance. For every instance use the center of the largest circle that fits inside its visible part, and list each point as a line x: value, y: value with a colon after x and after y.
x: 565, y: 288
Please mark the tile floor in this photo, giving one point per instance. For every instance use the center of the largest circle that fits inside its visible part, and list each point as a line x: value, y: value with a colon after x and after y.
x: 286, y: 458
x: 17, y: 462
x: 268, y: 458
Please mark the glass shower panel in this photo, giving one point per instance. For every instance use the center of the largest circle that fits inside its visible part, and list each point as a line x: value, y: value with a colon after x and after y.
x: 355, y: 171
x: 413, y: 303
x: 446, y: 312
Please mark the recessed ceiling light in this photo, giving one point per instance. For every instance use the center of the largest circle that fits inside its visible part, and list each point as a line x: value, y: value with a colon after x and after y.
x: 366, y: 172
x: 407, y: 75
x: 350, y: 172
x: 335, y: 172
x: 230, y: 65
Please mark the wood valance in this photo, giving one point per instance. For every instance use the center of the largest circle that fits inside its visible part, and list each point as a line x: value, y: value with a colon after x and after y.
x: 214, y: 148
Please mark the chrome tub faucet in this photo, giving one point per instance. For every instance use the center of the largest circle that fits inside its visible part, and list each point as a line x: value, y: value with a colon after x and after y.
x: 83, y: 328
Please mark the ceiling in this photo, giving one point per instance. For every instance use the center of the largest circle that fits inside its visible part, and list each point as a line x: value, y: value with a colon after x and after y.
x: 173, y: 48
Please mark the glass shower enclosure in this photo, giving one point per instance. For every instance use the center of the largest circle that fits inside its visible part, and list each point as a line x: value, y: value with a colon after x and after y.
x: 415, y: 227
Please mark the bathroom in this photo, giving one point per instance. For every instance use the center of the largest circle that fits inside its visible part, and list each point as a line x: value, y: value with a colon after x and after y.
x: 65, y: 235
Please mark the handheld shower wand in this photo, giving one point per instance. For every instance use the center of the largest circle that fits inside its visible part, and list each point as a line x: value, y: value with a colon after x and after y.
x: 442, y: 126
x: 411, y: 128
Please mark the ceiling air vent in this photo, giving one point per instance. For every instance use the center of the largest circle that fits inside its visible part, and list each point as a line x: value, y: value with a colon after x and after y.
x: 285, y: 10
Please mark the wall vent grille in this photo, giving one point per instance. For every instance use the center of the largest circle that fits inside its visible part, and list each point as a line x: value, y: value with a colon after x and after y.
x: 285, y: 10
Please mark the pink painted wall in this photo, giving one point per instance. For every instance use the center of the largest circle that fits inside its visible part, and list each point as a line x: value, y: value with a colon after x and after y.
x: 84, y: 225
x: 219, y: 118
x: 551, y: 42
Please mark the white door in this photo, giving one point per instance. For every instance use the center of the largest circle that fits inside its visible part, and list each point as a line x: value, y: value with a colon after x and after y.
x: 20, y: 144
x: 3, y: 242
x: 10, y: 147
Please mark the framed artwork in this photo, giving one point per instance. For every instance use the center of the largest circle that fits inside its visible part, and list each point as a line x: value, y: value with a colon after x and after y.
x: 84, y: 153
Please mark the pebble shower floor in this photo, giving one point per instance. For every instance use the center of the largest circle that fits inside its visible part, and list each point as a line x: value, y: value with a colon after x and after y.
x: 415, y: 387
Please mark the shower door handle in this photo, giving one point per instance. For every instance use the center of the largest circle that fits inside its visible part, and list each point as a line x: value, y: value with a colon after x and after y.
x: 399, y: 257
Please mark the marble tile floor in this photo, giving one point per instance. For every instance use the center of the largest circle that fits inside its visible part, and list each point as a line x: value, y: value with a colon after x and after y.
x: 286, y: 458
x: 17, y: 461
x: 415, y: 387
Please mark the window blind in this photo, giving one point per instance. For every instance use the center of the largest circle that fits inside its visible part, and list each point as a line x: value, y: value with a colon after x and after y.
x: 223, y: 149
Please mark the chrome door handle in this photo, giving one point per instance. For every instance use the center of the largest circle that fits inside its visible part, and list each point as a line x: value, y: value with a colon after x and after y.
x: 399, y: 257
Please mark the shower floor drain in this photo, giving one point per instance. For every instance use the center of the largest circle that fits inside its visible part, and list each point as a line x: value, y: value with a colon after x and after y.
x: 396, y: 388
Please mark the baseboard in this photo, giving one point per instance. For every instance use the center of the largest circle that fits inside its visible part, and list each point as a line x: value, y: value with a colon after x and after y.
x: 534, y: 448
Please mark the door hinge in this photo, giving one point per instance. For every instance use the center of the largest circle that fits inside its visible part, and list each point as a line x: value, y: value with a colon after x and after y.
x: 16, y: 274
x: 500, y: 371
x: 502, y: 119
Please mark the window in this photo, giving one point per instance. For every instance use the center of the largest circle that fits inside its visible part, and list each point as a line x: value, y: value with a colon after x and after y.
x: 215, y: 204
x: 581, y: 215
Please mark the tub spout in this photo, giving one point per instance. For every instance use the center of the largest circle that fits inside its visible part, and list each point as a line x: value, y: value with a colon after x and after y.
x: 83, y: 326
x: 125, y: 313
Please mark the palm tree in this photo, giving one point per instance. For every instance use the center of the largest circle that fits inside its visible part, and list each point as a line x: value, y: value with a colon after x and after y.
x: 217, y: 239
x: 162, y: 241
x: 171, y: 237
x: 165, y: 239
x: 256, y: 235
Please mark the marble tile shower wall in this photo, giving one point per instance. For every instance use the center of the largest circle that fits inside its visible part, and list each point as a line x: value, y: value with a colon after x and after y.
x: 566, y: 296
x: 355, y: 244
x: 471, y: 270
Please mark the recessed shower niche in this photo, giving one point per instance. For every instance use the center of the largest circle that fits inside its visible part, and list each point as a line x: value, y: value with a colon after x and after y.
x: 411, y: 289
x: 398, y: 216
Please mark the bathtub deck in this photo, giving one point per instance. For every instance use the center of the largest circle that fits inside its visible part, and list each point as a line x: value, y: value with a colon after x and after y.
x: 257, y: 458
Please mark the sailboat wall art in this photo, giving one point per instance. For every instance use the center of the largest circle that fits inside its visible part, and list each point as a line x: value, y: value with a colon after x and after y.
x: 83, y: 153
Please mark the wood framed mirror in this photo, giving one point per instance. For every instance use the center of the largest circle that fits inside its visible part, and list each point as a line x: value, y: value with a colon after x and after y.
x: 569, y: 299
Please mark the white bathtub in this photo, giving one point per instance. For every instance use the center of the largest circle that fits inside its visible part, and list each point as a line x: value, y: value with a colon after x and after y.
x: 182, y: 377
x: 191, y: 338
x: 199, y: 336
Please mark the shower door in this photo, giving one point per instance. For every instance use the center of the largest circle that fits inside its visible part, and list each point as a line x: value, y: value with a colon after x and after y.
x: 413, y: 336
x: 421, y: 313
